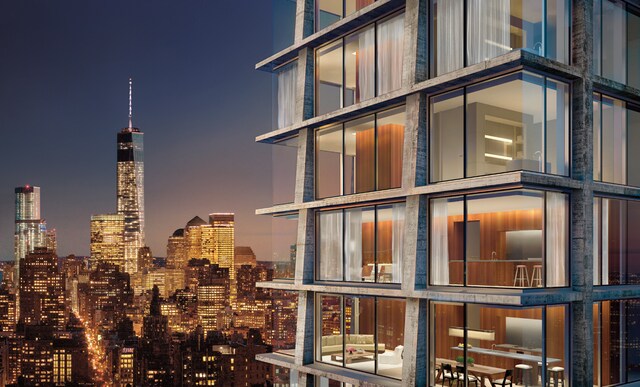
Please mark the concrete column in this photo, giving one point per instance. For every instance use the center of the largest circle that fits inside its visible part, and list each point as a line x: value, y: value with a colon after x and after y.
x: 306, y: 380
x: 304, y: 329
x: 305, y: 252
x: 304, y: 189
x: 582, y: 199
x: 414, y: 159
x: 415, y: 358
x: 414, y: 271
x: 415, y: 42
x: 304, y: 19
x: 304, y: 87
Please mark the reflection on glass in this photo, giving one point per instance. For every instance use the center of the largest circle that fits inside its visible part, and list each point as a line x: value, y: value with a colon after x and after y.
x: 330, y: 11
x: 329, y: 78
x: 328, y: 161
x: 501, y: 241
x: 360, y: 244
x: 284, y: 234
x: 329, y: 265
x: 633, y: 144
x: 287, y: 80
x: 447, y: 130
x: 389, y: 236
x: 330, y: 333
x: 284, y: 158
x: 610, y: 139
x: 359, y: 66
x: 390, y: 335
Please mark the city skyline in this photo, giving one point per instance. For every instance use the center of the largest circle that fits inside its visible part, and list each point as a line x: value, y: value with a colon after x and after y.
x: 186, y: 99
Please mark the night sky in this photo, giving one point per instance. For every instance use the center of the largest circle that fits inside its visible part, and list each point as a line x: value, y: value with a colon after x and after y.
x: 64, y: 72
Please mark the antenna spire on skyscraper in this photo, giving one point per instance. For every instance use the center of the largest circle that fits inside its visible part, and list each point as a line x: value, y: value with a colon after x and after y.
x: 130, y: 108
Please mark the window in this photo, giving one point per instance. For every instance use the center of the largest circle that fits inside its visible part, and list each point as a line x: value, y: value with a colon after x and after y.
x: 284, y: 236
x: 516, y: 122
x: 616, y: 136
x: 284, y: 157
x: 360, y: 155
x: 330, y: 11
x: 495, y: 28
x: 615, y: 336
x: 360, y: 66
x: 361, y: 333
x: 514, y: 239
x: 616, y: 252
x: 362, y: 244
x: 616, y: 41
x: 493, y: 339
x: 287, y: 77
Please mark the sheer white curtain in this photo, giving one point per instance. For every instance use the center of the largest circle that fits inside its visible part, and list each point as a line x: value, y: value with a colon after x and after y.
x: 439, y: 242
x: 397, y: 214
x: 556, y: 224
x: 390, y: 54
x: 596, y: 241
x: 450, y: 35
x: 287, y: 78
x: 330, y: 266
x: 488, y: 29
x: 366, y: 64
x: 353, y: 247
x: 605, y: 242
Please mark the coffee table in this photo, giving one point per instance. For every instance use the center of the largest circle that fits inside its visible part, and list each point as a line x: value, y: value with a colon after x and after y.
x: 350, y: 357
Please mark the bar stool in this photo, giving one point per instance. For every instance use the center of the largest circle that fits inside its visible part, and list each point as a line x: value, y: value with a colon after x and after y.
x: 557, y: 373
x: 521, y: 277
x: 523, y: 371
x: 536, y: 276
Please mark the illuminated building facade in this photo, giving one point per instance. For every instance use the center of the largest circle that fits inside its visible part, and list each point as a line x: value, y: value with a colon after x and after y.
x: 145, y: 258
x: 107, y: 240
x: 177, y: 250
x: 130, y: 190
x: 7, y: 309
x: 223, y: 225
x: 108, y: 296
x: 30, y: 229
x: 42, y: 299
x: 213, y: 298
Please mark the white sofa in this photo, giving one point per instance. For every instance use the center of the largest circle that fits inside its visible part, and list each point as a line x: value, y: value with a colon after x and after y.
x: 333, y: 344
x: 394, y: 357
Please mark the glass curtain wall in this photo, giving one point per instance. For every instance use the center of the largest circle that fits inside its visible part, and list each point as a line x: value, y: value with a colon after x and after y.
x: 362, y: 244
x: 361, y: 333
x: 287, y: 77
x: 284, y: 235
x: 496, y: 27
x: 284, y: 158
x: 616, y: 137
x: 516, y: 122
x: 330, y: 11
x: 615, y: 336
x: 513, y: 239
x: 361, y: 155
x: 483, y: 343
x: 616, y: 251
x: 360, y: 66
x: 616, y: 43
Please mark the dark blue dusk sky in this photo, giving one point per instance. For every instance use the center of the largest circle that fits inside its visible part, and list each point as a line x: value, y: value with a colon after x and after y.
x: 64, y: 69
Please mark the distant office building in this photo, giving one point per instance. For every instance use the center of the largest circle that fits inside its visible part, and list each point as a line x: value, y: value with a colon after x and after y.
x: 107, y: 240
x: 177, y: 250
x: 244, y: 255
x: 156, y: 347
x: 224, y: 241
x: 30, y: 229
x: 41, y: 290
x: 213, y: 298
x: 108, y: 296
x: 198, y: 236
x: 130, y: 190
x: 7, y: 309
x: 51, y: 240
x: 145, y: 258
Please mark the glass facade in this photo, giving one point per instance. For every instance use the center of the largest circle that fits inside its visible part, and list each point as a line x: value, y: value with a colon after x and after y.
x: 284, y: 157
x: 361, y: 155
x: 616, y: 41
x: 284, y: 236
x: 361, y: 244
x: 516, y: 122
x: 361, y: 333
x: 616, y: 136
x: 330, y: 11
x: 514, y: 239
x: 527, y: 346
x: 360, y: 66
x: 494, y: 28
x: 616, y: 340
x: 616, y: 252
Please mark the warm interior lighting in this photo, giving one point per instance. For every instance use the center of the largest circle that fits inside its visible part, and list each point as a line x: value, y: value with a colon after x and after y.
x: 496, y: 138
x: 473, y: 333
x: 498, y: 156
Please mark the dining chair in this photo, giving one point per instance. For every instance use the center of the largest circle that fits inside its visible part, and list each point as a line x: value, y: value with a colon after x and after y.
x: 506, y: 381
x: 471, y: 378
x: 447, y: 374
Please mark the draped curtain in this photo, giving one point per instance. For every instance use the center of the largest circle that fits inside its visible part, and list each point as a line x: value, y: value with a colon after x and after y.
x: 366, y: 66
x: 439, y: 242
x: 449, y: 35
x: 330, y: 266
x: 353, y: 247
x: 605, y: 241
x: 488, y: 29
x: 390, y: 54
x: 596, y: 240
x: 287, y: 78
x: 556, y: 227
x: 397, y: 214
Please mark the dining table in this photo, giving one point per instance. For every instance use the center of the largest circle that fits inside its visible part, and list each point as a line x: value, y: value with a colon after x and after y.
x: 482, y: 372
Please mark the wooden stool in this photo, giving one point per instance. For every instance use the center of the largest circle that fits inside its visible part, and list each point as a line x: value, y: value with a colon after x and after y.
x: 536, y: 276
x: 558, y: 376
x: 523, y: 371
x: 521, y: 276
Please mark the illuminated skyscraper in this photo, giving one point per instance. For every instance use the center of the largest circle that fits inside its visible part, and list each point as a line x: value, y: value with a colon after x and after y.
x: 224, y: 241
x: 177, y: 250
x: 131, y: 190
x: 107, y: 240
x: 30, y: 229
